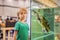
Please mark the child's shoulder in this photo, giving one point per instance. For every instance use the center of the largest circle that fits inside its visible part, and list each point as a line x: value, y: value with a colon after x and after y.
x: 17, y: 22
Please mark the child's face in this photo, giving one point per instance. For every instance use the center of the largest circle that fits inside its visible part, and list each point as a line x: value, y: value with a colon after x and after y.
x: 23, y: 15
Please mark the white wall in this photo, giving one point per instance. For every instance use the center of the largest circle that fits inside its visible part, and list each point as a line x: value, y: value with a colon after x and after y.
x: 28, y: 19
x: 18, y: 3
x: 1, y: 8
x: 1, y: 11
x: 1, y: 2
x: 10, y: 11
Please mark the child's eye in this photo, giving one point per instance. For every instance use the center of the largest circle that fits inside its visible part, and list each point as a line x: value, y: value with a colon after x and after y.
x: 21, y: 13
x: 24, y: 13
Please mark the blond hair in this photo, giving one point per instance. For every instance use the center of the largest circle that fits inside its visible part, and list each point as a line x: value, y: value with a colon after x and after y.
x: 21, y: 10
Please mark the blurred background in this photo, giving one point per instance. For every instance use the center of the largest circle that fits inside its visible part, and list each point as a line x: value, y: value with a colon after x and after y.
x: 45, y: 3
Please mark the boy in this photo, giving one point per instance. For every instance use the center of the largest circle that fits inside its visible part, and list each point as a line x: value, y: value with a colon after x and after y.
x: 21, y: 28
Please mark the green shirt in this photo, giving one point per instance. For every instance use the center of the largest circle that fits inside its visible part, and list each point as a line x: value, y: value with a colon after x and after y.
x: 22, y: 29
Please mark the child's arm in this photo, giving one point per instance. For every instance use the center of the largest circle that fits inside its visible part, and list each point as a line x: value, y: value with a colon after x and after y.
x: 15, y: 33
